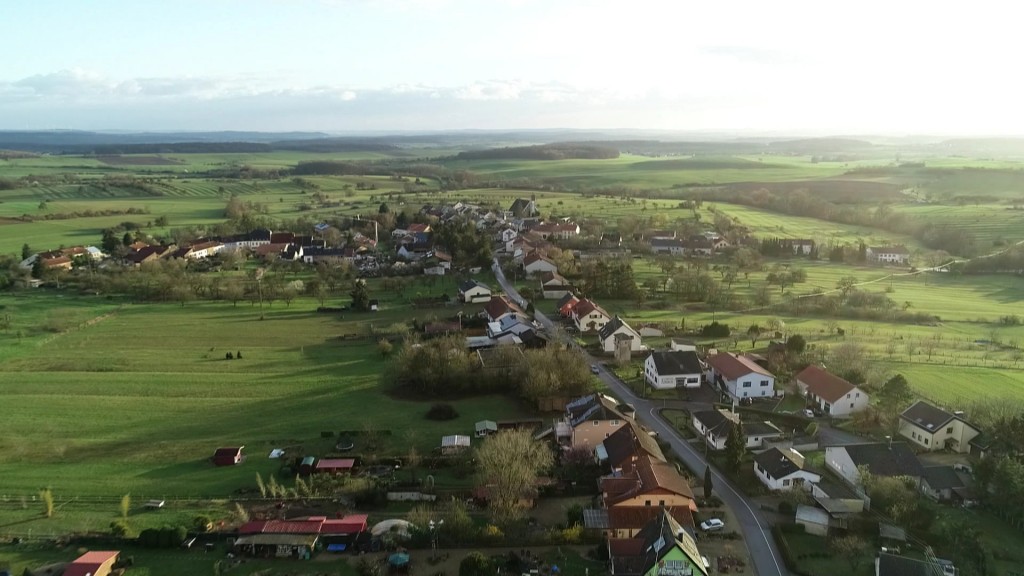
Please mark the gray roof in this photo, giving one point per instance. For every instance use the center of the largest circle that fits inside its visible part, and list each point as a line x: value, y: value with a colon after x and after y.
x: 883, y: 459
x: 755, y: 428
x: 467, y: 285
x: 671, y: 362
x: 595, y: 518
x: 713, y: 420
x: 610, y: 328
x: 943, y: 478
x: 777, y: 463
x: 927, y: 416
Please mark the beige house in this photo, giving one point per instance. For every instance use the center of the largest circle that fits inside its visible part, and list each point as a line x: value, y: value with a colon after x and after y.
x: 589, y: 420
x: 933, y: 428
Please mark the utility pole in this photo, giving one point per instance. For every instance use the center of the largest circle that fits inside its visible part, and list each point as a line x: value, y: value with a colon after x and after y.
x: 375, y: 224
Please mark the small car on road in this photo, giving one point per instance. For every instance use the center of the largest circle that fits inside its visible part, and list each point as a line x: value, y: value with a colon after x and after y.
x: 712, y: 525
x: 594, y: 369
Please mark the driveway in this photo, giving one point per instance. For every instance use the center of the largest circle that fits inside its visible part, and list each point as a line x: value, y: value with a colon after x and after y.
x: 751, y: 522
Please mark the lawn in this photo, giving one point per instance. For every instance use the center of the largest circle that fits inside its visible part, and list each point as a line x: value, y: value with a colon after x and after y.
x: 137, y: 401
x: 175, y: 562
x: 812, y: 555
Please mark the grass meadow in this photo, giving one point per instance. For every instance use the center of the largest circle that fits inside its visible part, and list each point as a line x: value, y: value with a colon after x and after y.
x: 133, y: 398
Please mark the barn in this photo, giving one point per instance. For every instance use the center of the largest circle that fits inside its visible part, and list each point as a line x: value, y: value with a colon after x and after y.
x: 228, y: 456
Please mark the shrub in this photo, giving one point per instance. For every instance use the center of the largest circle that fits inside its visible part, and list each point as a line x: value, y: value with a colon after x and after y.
x: 475, y: 564
x: 442, y: 412
x: 715, y: 330
x: 120, y: 528
x: 785, y: 507
x: 202, y: 523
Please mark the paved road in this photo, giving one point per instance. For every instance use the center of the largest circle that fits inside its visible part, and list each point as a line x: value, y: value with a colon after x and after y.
x: 754, y: 526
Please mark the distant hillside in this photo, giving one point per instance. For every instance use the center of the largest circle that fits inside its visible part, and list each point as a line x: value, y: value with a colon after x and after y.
x: 84, y: 142
x: 703, y: 163
x: 819, y: 145
x: 558, y: 151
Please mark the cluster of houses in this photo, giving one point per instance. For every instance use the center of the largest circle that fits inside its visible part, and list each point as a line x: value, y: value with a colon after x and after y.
x: 698, y: 245
x: 63, y: 258
x: 646, y: 506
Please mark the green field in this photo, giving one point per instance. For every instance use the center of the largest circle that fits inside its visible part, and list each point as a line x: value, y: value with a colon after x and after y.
x: 138, y: 400
x: 991, y: 225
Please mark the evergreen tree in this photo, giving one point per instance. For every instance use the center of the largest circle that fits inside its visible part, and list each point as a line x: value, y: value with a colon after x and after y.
x: 734, y: 448
x: 708, y: 486
x: 360, y: 297
x: 26, y: 251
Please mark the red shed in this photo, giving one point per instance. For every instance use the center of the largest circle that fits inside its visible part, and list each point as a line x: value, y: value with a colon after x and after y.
x: 351, y: 524
x: 335, y: 465
x: 98, y: 563
x: 228, y: 456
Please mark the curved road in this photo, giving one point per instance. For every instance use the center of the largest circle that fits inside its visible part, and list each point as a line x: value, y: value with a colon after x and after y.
x: 764, y: 555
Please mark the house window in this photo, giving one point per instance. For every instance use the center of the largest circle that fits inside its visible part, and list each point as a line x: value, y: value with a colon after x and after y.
x: 785, y: 482
x: 764, y: 382
x: 926, y: 441
x: 949, y: 430
x: 744, y: 393
x: 647, y: 502
x: 851, y: 405
x: 596, y: 422
x: 746, y: 384
x: 615, y: 422
x: 661, y: 502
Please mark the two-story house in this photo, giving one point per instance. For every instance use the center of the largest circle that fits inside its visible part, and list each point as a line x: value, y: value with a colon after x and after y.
x: 740, y: 376
x: 664, y: 547
x: 589, y: 420
x: 617, y: 329
x: 634, y: 496
x: 830, y: 394
x: 933, y: 428
x: 888, y: 254
x: 588, y: 316
x: 666, y: 369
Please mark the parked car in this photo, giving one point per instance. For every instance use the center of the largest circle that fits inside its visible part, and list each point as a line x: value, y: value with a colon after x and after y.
x: 712, y: 525
x: 808, y: 413
x: 594, y: 369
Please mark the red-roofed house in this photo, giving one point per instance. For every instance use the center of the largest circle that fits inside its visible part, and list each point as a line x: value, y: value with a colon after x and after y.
x: 97, y: 563
x: 740, y: 376
x: 335, y: 465
x: 501, y: 306
x: 589, y: 316
x: 228, y: 456
x: 633, y: 497
x: 831, y: 394
x: 418, y: 228
x: 566, y: 305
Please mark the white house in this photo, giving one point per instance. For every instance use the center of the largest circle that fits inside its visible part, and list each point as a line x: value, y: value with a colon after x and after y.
x: 740, y: 376
x: 714, y: 426
x: 553, y: 285
x: 471, y: 291
x: 673, y: 369
x: 932, y: 428
x: 829, y: 393
x: 888, y: 254
x: 890, y: 459
x: 506, y: 235
x: 783, y: 470
x: 535, y: 264
x: 587, y: 316
x: 667, y: 246
x: 616, y: 327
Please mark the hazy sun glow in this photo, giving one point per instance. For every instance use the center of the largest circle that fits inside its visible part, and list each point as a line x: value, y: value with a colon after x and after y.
x: 893, y: 67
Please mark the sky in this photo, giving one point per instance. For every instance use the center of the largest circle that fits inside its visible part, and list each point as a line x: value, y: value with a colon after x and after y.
x: 870, y: 67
